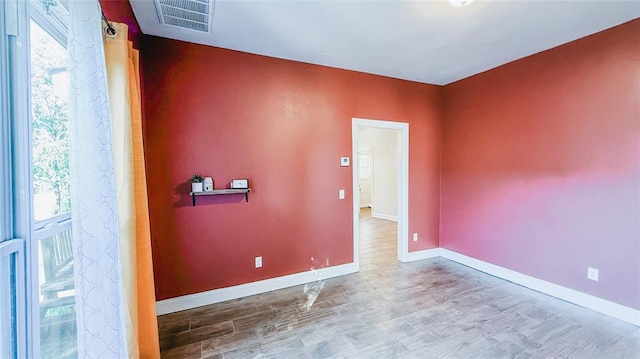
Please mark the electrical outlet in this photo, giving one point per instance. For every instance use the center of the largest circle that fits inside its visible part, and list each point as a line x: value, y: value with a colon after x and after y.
x: 415, y: 237
x: 593, y: 273
x: 258, y: 262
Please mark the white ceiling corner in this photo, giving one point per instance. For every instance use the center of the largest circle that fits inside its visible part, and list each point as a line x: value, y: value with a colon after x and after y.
x: 425, y: 41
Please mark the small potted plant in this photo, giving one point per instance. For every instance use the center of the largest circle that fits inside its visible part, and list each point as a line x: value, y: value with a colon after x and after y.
x: 196, y: 183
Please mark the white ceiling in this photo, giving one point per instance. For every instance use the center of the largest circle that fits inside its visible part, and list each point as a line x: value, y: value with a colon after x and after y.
x: 424, y: 41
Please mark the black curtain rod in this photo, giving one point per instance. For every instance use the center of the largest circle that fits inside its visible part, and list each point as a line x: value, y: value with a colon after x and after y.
x: 109, y: 29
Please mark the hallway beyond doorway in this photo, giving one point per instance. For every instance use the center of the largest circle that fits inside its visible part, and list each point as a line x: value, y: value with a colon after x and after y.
x: 378, y: 244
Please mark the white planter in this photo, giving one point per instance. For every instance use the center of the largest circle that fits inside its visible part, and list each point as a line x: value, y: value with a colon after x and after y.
x: 196, y: 187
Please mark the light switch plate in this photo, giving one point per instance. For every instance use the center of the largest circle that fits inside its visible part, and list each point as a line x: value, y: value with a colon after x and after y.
x: 344, y: 161
x: 341, y: 194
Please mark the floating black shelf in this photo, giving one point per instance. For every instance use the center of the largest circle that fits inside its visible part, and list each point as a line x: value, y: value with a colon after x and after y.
x: 217, y: 192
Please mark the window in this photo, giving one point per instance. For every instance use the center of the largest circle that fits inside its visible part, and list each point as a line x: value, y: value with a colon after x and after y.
x: 50, y: 179
x: 50, y: 145
x: 14, y: 203
x: 37, y: 299
x: 11, y: 312
x: 364, y: 165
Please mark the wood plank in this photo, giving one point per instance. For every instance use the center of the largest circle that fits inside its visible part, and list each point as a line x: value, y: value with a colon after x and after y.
x: 428, y: 308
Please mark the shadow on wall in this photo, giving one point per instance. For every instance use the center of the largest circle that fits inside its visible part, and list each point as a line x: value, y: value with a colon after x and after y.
x: 183, y: 190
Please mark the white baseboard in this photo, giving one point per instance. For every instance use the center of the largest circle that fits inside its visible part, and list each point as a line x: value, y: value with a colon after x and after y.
x: 384, y: 216
x: 615, y: 310
x: 600, y: 305
x: 220, y: 295
x: 424, y: 254
x: 365, y: 205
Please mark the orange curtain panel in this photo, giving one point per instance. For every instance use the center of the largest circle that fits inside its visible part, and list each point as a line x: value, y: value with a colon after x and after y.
x: 123, y: 79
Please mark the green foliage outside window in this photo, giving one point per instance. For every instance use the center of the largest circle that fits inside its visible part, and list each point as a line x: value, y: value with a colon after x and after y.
x: 49, y: 97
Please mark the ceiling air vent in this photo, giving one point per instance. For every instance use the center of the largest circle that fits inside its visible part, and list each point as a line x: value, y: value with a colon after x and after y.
x: 186, y: 14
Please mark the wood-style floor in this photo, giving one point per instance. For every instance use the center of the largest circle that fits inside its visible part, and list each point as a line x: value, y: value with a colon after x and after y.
x: 425, y: 309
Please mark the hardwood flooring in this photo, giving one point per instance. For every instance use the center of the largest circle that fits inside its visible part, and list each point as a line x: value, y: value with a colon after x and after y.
x: 425, y: 309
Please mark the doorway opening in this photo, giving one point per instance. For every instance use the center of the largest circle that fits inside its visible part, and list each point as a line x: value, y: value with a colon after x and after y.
x: 393, y: 202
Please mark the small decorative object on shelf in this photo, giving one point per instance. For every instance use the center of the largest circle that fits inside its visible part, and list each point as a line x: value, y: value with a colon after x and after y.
x: 240, y: 183
x: 208, y: 184
x: 196, y: 183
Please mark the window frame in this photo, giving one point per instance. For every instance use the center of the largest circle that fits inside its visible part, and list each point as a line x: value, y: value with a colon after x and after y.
x: 17, y: 226
x: 50, y: 22
x: 41, y: 229
x: 7, y: 32
x: 7, y: 249
x: 58, y: 29
x: 53, y: 26
x: 15, y: 164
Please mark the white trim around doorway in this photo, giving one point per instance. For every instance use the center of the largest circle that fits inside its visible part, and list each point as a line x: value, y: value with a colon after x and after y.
x: 403, y: 185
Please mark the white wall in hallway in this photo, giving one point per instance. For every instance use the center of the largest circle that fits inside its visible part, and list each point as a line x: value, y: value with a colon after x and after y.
x: 384, y: 143
x: 365, y: 180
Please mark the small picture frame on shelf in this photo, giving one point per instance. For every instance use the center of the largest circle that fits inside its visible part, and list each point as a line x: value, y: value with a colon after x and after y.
x: 239, y: 183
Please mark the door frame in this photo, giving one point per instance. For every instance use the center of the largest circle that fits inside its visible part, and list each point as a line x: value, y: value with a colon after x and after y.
x: 403, y: 184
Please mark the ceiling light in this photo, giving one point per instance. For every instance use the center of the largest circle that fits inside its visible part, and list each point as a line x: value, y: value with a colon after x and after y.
x: 460, y: 3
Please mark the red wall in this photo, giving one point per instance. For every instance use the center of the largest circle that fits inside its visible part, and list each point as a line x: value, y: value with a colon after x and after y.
x: 541, y: 165
x: 540, y: 162
x: 284, y: 125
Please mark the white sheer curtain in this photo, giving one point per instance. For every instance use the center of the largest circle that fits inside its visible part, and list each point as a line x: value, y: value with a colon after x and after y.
x: 99, y: 299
